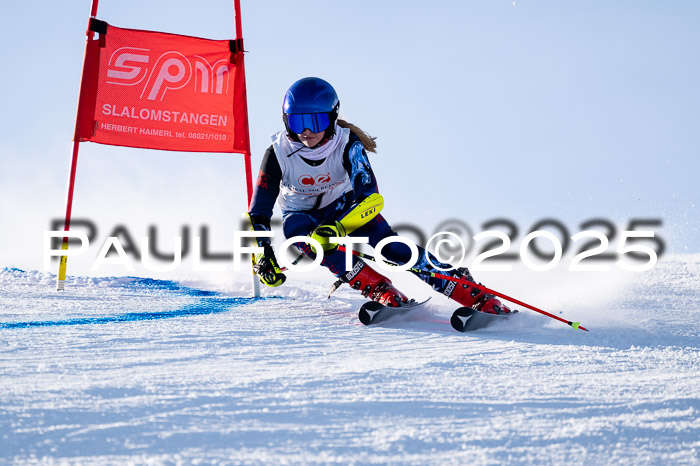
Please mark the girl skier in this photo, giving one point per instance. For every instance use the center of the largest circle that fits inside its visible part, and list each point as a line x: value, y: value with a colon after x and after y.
x: 318, y: 172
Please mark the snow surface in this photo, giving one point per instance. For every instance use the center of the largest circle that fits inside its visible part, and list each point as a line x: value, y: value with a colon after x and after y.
x: 148, y: 371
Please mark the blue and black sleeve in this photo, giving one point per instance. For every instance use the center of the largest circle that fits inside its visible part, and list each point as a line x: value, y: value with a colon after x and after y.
x: 357, y: 164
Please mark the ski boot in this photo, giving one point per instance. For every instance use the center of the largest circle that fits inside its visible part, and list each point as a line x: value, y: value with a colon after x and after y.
x: 470, y: 296
x: 374, y: 285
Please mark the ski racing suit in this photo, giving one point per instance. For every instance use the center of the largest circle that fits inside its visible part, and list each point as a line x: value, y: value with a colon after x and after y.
x: 315, y: 192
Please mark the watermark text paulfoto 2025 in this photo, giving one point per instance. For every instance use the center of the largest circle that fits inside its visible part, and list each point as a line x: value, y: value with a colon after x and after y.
x: 597, y: 245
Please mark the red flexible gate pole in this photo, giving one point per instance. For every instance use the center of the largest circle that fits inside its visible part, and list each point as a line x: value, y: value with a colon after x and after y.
x: 240, y: 67
x: 61, y: 278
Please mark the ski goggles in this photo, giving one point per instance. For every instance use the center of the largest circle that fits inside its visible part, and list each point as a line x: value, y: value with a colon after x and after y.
x: 315, y: 122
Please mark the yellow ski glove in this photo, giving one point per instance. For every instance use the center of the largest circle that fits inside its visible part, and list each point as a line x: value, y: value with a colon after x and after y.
x: 267, y: 269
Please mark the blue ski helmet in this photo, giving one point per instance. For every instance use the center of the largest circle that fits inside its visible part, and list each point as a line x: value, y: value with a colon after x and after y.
x: 310, y: 103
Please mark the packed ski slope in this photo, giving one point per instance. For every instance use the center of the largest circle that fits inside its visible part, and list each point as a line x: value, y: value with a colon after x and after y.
x: 147, y: 371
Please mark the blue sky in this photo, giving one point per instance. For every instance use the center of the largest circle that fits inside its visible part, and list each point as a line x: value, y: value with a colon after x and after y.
x: 483, y: 109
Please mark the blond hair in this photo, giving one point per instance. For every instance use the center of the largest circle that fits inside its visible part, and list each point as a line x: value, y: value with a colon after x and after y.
x: 366, y: 140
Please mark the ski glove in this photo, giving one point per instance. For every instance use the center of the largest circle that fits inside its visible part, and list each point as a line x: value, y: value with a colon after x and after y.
x: 322, y: 233
x: 267, y: 268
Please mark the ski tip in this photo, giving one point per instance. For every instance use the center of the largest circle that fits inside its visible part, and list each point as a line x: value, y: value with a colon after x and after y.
x: 368, y: 311
x: 461, y: 317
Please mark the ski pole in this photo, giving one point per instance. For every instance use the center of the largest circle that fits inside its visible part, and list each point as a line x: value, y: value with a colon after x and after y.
x: 575, y: 325
x: 294, y: 262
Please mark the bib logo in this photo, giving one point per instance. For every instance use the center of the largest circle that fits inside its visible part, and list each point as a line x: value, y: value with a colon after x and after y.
x: 131, y: 66
x: 308, y: 180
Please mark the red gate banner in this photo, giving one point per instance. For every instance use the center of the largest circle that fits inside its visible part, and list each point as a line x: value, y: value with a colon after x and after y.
x: 162, y: 91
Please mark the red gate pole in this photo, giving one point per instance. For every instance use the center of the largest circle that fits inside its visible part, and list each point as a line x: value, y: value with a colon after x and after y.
x: 240, y: 65
x: 61, y: 277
